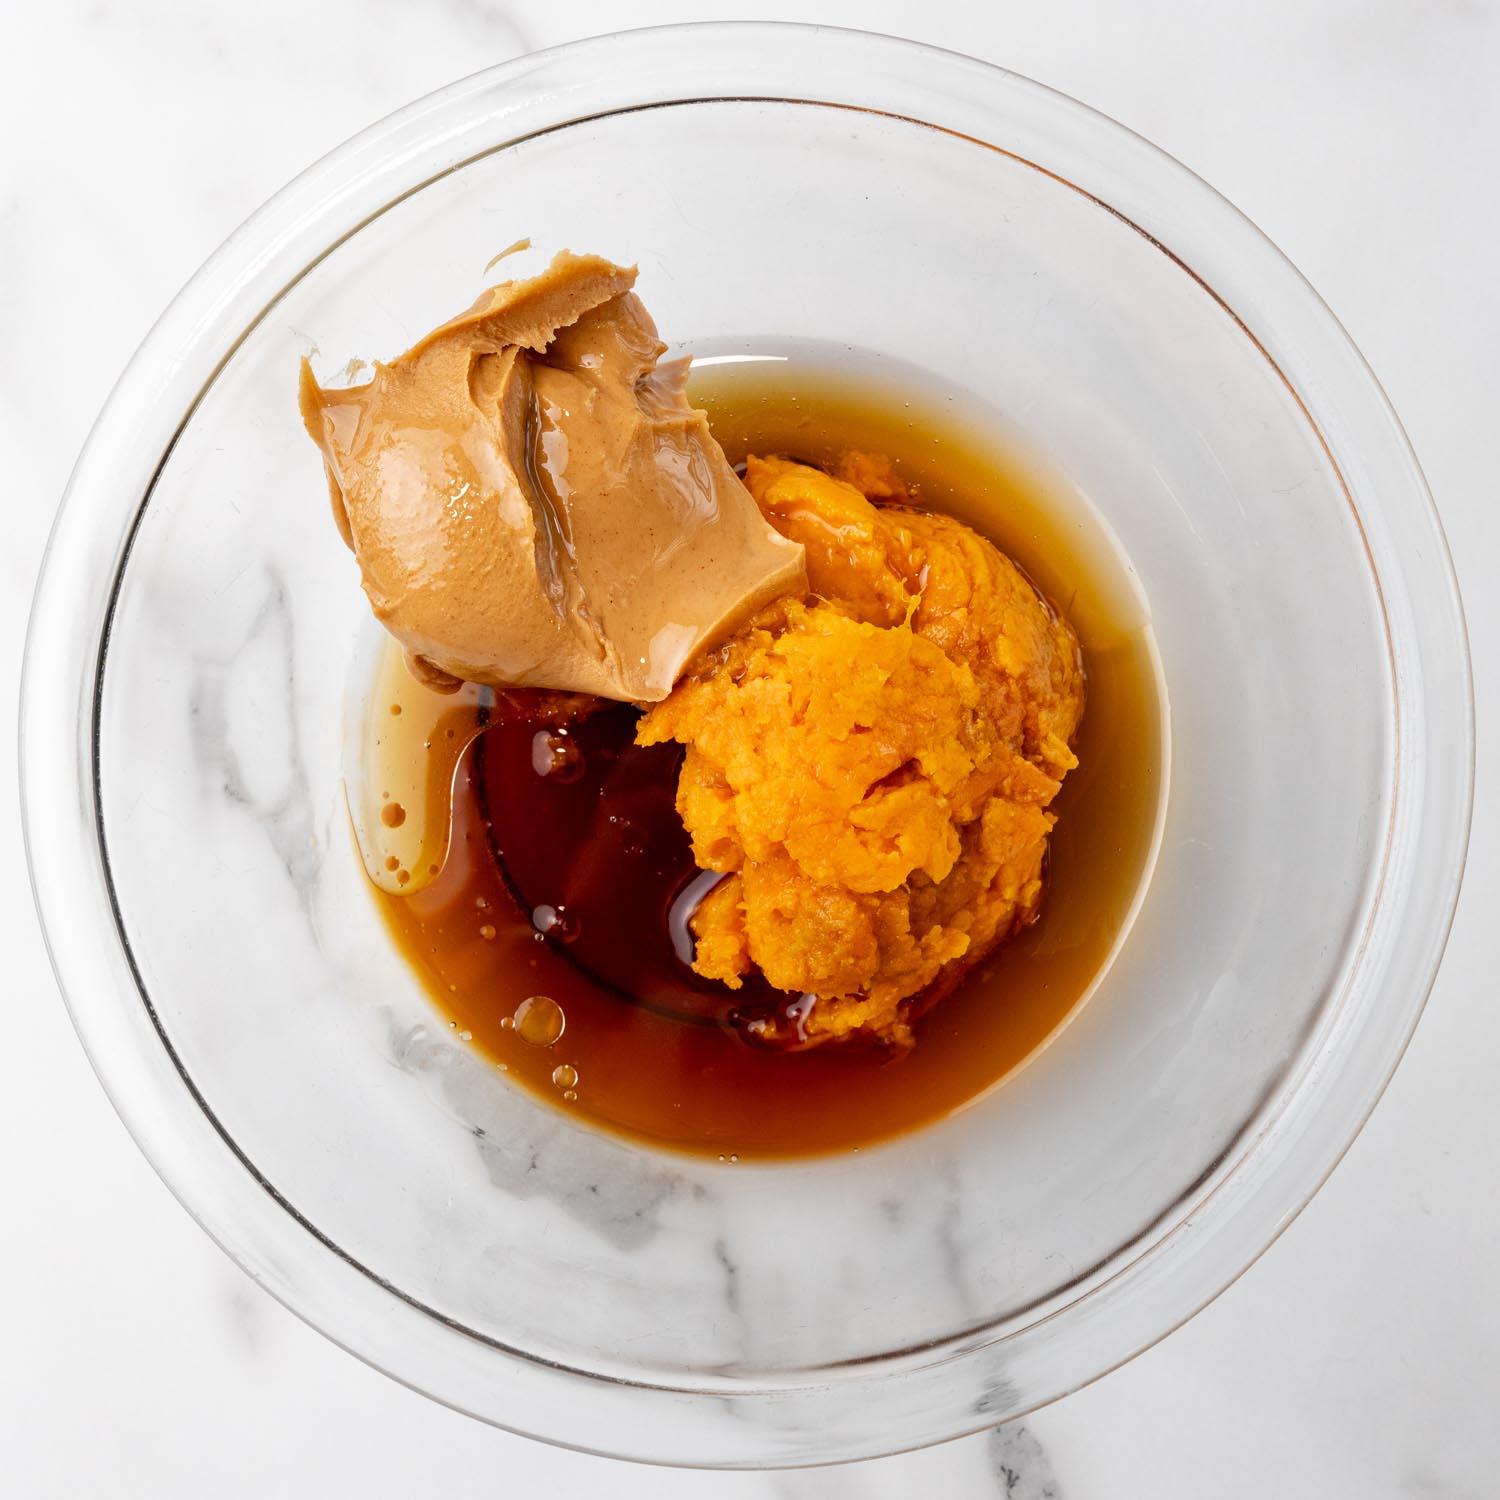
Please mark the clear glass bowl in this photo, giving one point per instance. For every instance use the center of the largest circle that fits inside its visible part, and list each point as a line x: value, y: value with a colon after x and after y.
x: 283, y: 1070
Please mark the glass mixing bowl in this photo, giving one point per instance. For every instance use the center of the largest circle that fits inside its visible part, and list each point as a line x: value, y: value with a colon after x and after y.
x: 283, y: 1069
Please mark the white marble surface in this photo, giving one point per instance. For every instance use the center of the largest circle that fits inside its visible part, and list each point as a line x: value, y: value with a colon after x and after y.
x: 1359, y: 1358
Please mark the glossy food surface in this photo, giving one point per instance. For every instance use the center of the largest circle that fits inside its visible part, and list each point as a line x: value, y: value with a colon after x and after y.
x: 570, y: 876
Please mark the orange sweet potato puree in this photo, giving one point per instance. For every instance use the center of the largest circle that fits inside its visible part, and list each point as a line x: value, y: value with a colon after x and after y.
x: 871, y: 766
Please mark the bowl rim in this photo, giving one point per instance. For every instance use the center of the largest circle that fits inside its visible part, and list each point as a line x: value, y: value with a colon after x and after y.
x: 1275, y: 1170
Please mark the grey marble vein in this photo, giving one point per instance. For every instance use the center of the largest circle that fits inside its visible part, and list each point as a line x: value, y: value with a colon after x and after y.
x: 284, y: 812
x: 1020, y: 1464
x: 528, y: 1151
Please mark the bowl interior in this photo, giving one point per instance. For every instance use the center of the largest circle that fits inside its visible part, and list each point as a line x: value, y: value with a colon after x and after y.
x: 270, y: 978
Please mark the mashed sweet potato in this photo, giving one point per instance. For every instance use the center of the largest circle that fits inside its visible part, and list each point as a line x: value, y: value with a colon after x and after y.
x: 871, y: 765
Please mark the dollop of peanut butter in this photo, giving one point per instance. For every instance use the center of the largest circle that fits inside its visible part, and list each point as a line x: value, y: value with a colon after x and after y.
x: 534, y: 503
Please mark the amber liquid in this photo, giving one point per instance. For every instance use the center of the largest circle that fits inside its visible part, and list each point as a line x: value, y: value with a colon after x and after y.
x: 567, y: 858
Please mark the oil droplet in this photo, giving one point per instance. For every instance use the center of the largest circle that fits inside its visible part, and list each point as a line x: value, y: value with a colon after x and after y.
x: 392, y: 863
x: 393, y: 815
x: 555, y: 922
x: 487, y: 932
x: 554, y: 755
x: 539, y: 1020
x: 396, y: 709
x: 505, y: 1023
x: 570, y: 1095
x: 565, y: 1075
x: 481, y: 903
x: 402, y: 876
x: 466, y: 1036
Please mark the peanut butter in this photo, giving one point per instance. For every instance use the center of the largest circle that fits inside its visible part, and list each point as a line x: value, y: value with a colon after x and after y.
x: 534, y: 503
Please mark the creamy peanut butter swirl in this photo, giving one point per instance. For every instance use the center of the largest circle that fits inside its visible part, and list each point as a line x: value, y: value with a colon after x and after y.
x: 533, y: 502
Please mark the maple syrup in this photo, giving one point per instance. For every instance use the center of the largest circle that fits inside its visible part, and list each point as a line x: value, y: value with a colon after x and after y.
x: 554, y: 935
